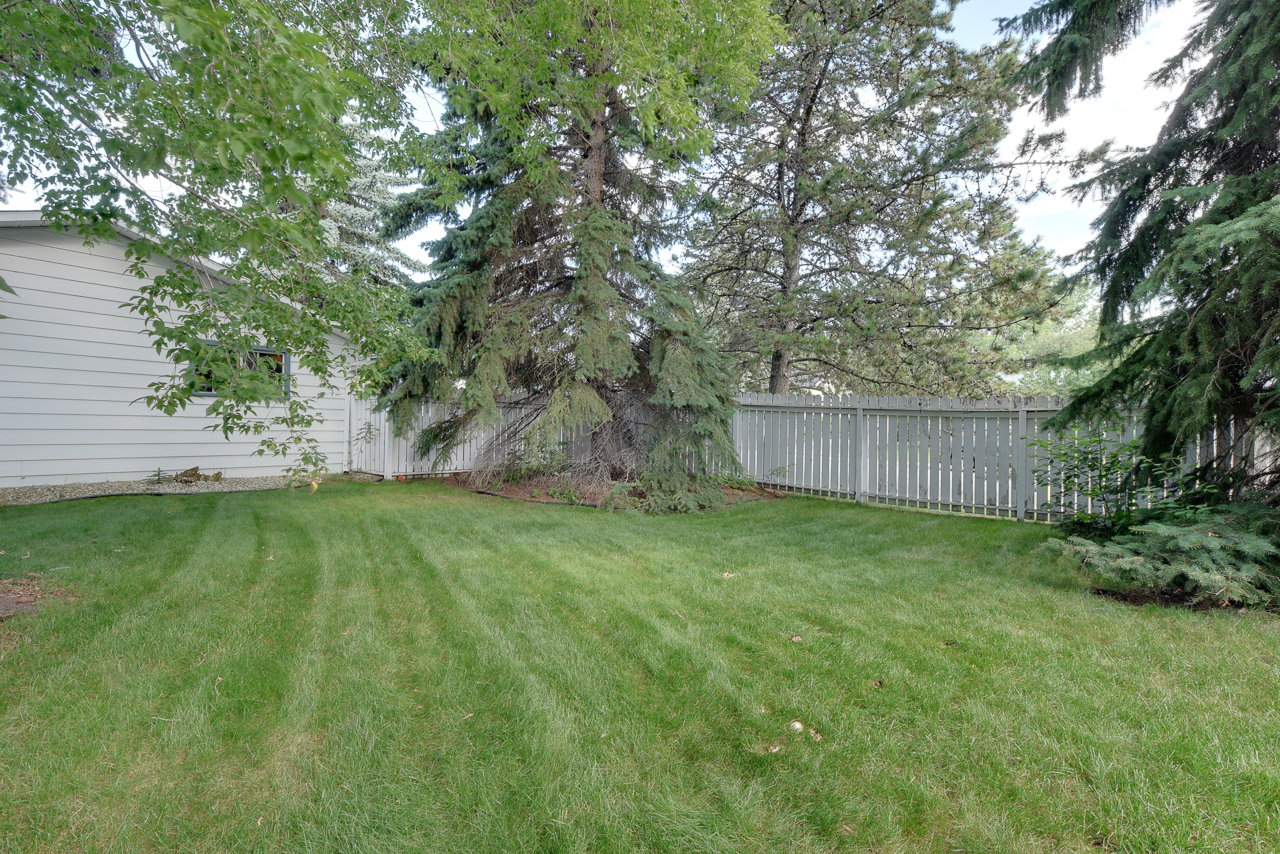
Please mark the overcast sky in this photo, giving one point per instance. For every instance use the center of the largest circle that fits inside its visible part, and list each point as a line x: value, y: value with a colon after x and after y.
x: 1128, y: 110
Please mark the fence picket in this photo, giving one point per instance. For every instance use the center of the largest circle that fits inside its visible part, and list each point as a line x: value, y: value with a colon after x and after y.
x: 993, y: 456
x: 935, y: 455
x: 912, y: 427
x: 882, y: 451
x: 1001, y: 452
x: 1043, y: 488
x: 901, y: 453
x: 826, y: 454
x: 923, y: 434
x: 956, y: 463
x: 846, y: 446
x: 806, y: 441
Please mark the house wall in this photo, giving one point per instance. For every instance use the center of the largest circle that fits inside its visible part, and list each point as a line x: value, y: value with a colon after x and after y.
x: 74, y: 363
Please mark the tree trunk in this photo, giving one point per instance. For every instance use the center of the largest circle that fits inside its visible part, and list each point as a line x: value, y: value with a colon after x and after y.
x: 780, y: 364
x: 594, y: 161
x: 780, y: 371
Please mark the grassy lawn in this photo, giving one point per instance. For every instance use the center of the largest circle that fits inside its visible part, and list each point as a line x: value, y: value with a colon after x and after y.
x: 404, y: 668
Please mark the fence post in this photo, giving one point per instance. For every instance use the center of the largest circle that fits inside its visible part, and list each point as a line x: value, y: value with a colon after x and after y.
x: 1023, y: 481
x: 859, y: 458
x: 386, y: 447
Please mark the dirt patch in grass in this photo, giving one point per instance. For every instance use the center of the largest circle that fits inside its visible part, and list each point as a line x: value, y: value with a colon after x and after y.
x: 26, y: 595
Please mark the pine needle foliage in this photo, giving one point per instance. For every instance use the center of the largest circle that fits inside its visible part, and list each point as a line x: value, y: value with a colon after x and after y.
x: 562, y: 150
x: 855, y: 232
x: 1207, y: 562
x: 1187, y: 251
x: 353, y: 221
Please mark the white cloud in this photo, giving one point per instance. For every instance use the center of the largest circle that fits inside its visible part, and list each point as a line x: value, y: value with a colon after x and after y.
x: 1128, y: 112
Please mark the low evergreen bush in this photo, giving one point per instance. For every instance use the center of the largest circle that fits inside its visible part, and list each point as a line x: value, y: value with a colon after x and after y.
x: 1206, y: 560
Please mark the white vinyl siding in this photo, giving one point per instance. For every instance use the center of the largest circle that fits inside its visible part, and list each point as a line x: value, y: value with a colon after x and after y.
x: 74, y: 362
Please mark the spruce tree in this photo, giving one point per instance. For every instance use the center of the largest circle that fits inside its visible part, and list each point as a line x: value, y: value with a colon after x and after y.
x: 560, y: 156
x: 354, y: 221
x: 1187, y: 250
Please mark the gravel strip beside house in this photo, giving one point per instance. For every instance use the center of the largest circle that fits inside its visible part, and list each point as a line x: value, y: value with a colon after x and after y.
x: 14, y: 495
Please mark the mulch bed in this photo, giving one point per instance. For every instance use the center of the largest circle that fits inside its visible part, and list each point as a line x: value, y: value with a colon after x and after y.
x: 540, y: 492
x: 27, y: 595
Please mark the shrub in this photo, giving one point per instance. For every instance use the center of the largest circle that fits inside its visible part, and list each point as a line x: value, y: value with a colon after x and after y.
x: 1207, y: 561
x: 1111, y: 475
x: 676, y: 492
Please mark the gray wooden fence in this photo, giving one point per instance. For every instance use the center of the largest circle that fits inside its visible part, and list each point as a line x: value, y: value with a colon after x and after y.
x: 951, y: 454
x: 971, y: 456
x: 374, y: 447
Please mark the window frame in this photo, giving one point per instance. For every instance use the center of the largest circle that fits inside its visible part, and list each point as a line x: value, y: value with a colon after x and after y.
x: 285, y: 362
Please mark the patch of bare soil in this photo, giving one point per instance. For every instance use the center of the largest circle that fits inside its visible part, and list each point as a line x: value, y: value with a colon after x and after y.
x: 558, y: 491
x: 1169, y: 599
x: 26, y: 595
x: 1163, y: 598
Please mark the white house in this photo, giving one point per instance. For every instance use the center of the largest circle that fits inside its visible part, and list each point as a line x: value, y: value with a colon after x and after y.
x: 74, y: 363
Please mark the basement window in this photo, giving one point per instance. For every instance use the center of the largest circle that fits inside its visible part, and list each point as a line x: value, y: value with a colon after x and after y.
x: 277, y: 363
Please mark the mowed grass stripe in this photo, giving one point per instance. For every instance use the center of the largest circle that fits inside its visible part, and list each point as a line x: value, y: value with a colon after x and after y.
x: 421, y: 669
x: 129, y: 698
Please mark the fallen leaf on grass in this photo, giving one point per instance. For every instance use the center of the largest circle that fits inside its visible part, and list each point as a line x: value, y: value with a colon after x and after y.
x: 814, y: 734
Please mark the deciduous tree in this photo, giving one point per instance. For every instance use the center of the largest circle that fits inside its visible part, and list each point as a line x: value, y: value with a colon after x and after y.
x: 213, y: 131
